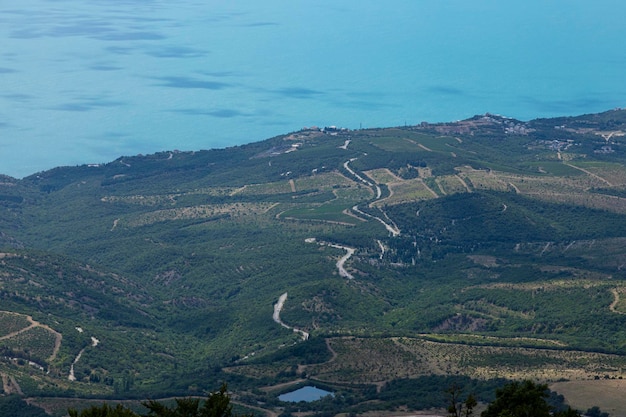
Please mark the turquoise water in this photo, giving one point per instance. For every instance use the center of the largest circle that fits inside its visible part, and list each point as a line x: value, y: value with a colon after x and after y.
x: 307, y: 394
x: 86, y: 81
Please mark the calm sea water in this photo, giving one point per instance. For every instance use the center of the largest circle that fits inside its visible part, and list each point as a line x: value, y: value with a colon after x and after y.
x: 86, y: 81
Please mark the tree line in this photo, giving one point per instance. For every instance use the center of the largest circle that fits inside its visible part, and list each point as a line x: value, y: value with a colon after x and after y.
x: 515, y: 399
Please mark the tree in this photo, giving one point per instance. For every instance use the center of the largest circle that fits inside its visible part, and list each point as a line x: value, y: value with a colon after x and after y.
x: 569, y: 412
x: 596, y: 412
x: 216, y: 405
x: 519, y: 399
x: 470, y: 403
x: 13, y: 405
x: 185, y: 407
x: 458, y: 408
x: 104, y: 410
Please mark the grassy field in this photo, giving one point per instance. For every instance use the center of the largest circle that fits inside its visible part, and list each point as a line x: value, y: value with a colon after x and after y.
x: 40, y: 343
x: 376, y: 360
x: 12, y: 322
x: 329, y: 212
x: 392, y: 144
x: 608, y: 394
x: 408, y: 190
x: 451, y: 184
x: 383, y: 176
x: 198, y: 212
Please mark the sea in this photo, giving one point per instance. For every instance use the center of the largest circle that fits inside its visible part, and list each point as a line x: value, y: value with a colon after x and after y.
x: 87, y: 81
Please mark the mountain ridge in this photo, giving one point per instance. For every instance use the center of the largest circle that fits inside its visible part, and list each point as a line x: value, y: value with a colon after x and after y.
x: 499, y: 235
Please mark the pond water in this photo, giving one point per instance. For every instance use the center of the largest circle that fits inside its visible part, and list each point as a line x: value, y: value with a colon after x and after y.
x: 307, y: 394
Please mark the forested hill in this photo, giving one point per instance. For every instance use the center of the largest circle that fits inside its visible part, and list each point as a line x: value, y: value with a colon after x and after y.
x: 485, y: 247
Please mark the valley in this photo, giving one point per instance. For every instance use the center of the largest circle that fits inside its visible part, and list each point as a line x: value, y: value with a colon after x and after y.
x: 364, y: 261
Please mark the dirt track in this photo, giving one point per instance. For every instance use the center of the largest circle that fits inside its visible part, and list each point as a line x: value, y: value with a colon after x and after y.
x: 33, y: 323
x: 615, y: 301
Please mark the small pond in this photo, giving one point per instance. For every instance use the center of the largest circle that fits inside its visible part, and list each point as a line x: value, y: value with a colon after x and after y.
x: 307, y: 394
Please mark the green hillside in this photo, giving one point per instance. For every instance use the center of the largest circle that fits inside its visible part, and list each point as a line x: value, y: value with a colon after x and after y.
x: 487, y: 248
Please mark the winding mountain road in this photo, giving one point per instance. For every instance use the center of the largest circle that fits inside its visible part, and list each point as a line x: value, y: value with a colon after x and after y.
x: 615, y: 302
x: 392, y: 228
x: 341, y: 262
x: 72, y: 376
x: 278, y: 307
